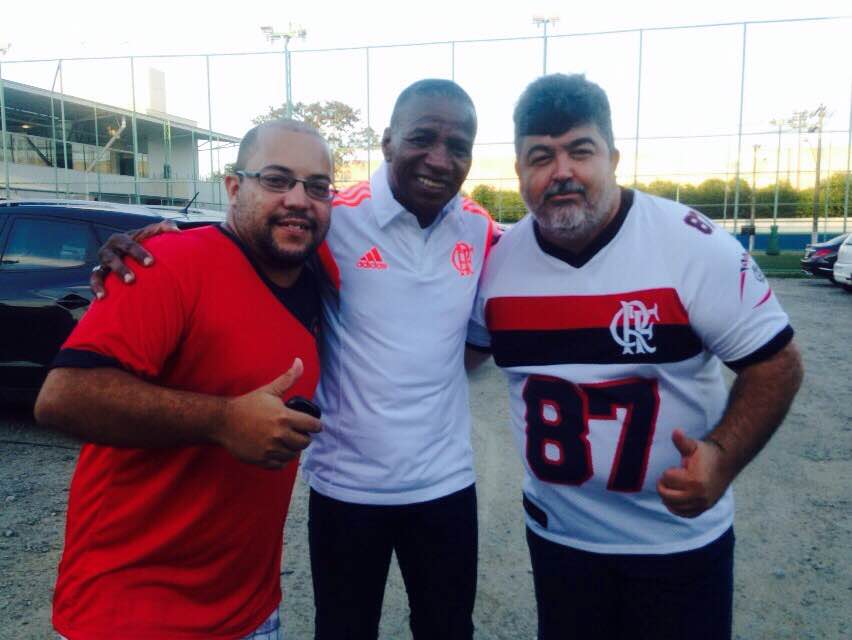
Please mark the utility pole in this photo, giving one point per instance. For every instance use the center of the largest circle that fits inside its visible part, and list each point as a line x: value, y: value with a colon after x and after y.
x: 541, y: 21
x: 799, y: 122
x: 292, y: 32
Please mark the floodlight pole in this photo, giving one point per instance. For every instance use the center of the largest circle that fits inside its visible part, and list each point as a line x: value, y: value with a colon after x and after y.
x: 272, y: 35
x: 541, y: 21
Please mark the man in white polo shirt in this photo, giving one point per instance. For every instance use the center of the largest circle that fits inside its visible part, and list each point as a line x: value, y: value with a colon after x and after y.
x: 392, y: 470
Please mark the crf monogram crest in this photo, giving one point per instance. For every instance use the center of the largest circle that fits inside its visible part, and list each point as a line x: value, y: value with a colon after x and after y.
x: 462, y: 258
x: 632, y: 327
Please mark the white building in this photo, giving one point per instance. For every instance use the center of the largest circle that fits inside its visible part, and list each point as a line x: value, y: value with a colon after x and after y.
x: 57, y: 145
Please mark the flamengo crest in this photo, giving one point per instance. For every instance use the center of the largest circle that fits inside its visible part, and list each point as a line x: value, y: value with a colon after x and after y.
x: 632, y: 327
x: 462, y: 258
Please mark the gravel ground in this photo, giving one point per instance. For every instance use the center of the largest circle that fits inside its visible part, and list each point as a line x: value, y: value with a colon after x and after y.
x: 793, y: 525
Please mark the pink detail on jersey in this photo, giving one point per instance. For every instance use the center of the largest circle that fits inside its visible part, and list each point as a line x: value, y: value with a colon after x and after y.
x: 744, y: 260
x: 462, y: 258
x: 353, y: 196
x: 764, y: 299
x: 372, y: 260
x: 329, y: 264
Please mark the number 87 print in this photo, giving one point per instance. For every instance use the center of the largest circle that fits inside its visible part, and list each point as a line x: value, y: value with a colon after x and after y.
x: 558, y: 414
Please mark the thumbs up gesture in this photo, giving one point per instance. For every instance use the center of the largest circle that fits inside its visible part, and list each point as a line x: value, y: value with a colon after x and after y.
x: 702, y: 478
x: 257, y: 428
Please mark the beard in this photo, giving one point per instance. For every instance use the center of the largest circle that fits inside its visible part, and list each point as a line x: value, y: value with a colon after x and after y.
x: 259, y: 233
x: 575, y: 221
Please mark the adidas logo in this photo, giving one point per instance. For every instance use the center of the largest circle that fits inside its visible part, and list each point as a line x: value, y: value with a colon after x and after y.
x: 372, y: 260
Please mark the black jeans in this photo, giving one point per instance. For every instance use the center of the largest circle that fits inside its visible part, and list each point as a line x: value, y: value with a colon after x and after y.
x: 597, y: 596
x: 435, y: 544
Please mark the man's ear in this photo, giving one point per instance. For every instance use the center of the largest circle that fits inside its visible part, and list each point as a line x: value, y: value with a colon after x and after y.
x: 386, y: 145
x: 614, y: 157
x: 517, y: 167
x: 232, y: 187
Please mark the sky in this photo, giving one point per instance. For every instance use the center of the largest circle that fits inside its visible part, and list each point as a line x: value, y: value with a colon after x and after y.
x: 690, y: 78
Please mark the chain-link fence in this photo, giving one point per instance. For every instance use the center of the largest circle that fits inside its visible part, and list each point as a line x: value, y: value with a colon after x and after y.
x: 712, y: 115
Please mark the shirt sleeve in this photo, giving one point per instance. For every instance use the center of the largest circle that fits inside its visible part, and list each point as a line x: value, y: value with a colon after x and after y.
x: 731, y: 304
x: 135, y: 327
x: 478, y: 337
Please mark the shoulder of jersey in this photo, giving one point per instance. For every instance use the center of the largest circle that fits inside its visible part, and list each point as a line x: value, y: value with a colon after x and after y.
x: 352, y: 196
x: 680, y: 227
x: 185, y: 246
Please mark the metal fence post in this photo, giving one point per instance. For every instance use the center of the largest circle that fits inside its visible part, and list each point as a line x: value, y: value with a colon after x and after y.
x: 369, y: 126
x: 4, y: 133
x: 135, y: 133
x: 64, y: 134
x: 210, y: 125
x: 848, y: 158
x: 740, y: 131
x: 638, y: 106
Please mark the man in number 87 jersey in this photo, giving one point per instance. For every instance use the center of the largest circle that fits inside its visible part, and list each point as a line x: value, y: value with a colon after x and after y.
x: 611, y: 312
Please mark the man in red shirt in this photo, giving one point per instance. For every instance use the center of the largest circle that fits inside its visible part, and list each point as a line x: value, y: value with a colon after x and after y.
x: 177, y: 505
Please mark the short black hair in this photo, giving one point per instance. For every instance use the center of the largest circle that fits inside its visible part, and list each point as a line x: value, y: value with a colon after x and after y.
x: 249, y: 140
x: 431, y: 87
x: 553, y: 104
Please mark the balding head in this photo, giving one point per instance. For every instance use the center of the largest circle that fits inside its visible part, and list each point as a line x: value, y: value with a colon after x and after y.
x: 248, y: 144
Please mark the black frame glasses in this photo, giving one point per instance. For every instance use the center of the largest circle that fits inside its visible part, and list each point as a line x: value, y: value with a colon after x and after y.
x: 280, y: 182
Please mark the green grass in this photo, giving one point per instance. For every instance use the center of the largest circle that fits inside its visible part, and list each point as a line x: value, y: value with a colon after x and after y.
x: 784, y: 265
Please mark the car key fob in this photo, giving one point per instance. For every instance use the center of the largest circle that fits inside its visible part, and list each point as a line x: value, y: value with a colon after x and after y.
x: 298, y: 403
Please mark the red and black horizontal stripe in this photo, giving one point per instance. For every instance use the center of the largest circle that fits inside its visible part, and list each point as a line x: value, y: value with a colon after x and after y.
x: 576, y: 329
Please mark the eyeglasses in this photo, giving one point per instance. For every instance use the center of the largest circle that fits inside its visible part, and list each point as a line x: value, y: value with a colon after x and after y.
x: 280, y: 182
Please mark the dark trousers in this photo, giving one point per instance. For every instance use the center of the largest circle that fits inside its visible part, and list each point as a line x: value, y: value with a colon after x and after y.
x: 435, y: 544
x: 597, y: 596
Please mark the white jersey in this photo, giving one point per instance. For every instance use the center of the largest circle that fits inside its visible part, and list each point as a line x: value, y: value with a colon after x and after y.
x: 393, y: 390
x: 607, y: 352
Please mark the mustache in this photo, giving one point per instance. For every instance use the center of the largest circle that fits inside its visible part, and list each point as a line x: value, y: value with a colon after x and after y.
x: 283, y: 218
x: 562, y: 188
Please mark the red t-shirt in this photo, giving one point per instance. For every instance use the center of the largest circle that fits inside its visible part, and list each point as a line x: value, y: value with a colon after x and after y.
x: 183, y: 542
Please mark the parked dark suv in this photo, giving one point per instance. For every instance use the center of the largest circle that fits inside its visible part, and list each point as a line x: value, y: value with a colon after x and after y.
x: 819, y: 258
x: 47, y: 250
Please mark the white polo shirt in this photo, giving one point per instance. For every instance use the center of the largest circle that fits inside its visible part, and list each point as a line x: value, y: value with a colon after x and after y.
x: 393, y: 390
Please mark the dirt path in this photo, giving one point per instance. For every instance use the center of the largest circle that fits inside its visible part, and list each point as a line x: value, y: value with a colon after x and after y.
x: 794, y: 510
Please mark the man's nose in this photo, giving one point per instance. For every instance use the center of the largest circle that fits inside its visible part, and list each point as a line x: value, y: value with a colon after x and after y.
x: 439, y: 158
x: 296, y: 198
x: 563, y: 167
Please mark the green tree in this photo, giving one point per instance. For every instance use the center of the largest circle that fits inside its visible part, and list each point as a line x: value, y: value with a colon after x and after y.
x: 338, y: 123
x: 504, y: 205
